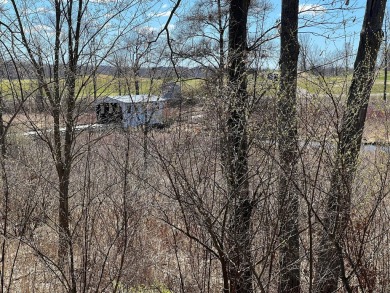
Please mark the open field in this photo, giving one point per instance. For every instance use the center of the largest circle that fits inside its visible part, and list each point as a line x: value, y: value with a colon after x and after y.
x: 338, y: 85
x: 109, y: 85
x: 320, y: 102
x: 104, y: 85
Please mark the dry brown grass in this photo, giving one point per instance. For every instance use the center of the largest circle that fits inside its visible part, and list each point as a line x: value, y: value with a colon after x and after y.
x: 103, y: 192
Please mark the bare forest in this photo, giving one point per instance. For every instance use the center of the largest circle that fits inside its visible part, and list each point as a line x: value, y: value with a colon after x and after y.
x: 233, y: 146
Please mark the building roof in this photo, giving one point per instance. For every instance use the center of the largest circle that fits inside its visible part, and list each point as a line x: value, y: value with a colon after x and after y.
x: 130, y: 99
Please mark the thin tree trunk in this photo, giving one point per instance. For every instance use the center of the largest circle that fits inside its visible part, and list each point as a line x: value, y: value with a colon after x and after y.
x: 39, y: 98
x: 240, y: 273
x: 5, y: 199
x: 288, y: 149
x: 136, y: 81
x: 330, y: 259
x: 386, y: 52
x: 221, y: 43
x: 221, y: 89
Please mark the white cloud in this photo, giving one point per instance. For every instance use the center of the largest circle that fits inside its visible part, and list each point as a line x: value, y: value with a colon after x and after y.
x: 38, y: 10
x: 39, y: 28
x: 150, y: 30
x: 146, y: 29
x: 42, y: 10
x: 311, y: 9
x: 165, y: 6
x: 166, y: 13
x: 3, y: 1
x: 160, y: 14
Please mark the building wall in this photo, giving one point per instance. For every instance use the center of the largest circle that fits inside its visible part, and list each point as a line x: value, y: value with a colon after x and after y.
x: 142, y: 113
x: 130, y: 114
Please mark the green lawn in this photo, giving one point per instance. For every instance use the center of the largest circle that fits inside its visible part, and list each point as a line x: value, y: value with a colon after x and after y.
x: 337, y: 85
x: 105, y: 85
x: 108, y: 85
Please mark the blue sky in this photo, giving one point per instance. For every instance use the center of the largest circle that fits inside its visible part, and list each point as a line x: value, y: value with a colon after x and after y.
x: 311, y: 11
x: 327, y: 25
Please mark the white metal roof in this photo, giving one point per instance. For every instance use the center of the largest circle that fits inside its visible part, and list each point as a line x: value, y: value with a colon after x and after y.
x: 130, y: 99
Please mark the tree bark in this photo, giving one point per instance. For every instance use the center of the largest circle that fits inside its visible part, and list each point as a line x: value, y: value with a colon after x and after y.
x: 39, y: 97
x: 288, y: 150
x: 65, y: 160
x: 240, y: 273
x: 136, y: 80
x: 5, y: 199
x: 330, y: 255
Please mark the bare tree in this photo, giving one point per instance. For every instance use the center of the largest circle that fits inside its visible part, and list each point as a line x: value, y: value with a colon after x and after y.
x: 12, y: 100
x: 240, y: 272
x: 139, y: 48
x: 69, y: 34
x: 288, y: 148
x: 330, y: 265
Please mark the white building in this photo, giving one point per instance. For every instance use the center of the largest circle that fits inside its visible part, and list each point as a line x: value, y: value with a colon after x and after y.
x: 134, y: 110
x: 131, y: 110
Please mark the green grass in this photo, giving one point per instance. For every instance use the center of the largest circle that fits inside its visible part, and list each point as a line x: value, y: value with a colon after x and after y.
x: 336, y: 84
x: 108, y: 85
x: 105, y: 85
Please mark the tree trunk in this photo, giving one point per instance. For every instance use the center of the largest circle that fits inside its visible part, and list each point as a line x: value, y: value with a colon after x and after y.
x: 386, y: 52
x: 136, y: 80
x: 39, y: 98
x: 288, y: 150
x: 330, y: 259
x: 240, y: 274
x: 5, y: 199
x: 63, y: 215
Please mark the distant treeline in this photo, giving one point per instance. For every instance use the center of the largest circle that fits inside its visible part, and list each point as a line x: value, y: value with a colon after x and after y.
x: 24, y: 70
